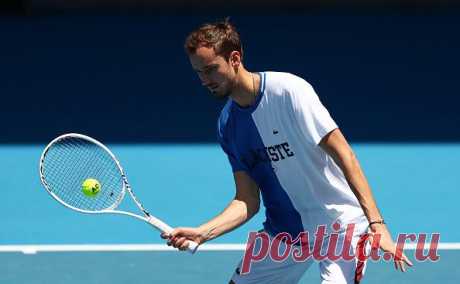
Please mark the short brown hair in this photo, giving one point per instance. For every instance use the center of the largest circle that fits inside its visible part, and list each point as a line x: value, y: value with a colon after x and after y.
x: 221, y: 36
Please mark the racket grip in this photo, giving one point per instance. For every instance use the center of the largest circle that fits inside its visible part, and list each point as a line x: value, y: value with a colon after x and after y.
x: 165, y: 228
x: 160, y: 225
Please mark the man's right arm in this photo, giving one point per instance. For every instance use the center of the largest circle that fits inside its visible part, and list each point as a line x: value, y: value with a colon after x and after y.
x: 242, y: 208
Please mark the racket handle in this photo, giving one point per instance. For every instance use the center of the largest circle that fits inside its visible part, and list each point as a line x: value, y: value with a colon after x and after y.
x: 160, y: 225
x: 165, y: 228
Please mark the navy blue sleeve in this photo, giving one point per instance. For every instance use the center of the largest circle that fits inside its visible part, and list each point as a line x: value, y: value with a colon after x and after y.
x: 222, y: 137
x: 232, y: 158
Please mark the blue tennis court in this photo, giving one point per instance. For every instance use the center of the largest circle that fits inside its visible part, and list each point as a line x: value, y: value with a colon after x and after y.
x: 171, y: 267
x: 415, y: 186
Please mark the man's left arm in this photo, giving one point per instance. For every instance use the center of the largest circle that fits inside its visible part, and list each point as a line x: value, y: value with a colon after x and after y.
x: 336, y: 146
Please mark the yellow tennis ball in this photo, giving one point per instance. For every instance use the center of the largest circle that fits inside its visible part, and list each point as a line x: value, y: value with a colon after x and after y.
x: 91, y: 187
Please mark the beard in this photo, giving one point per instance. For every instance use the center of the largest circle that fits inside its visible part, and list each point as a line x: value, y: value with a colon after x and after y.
x: 222, y: 94
x: 225, y: 91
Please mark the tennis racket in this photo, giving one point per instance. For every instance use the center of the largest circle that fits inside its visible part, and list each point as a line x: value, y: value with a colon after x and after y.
x: 72, y: 158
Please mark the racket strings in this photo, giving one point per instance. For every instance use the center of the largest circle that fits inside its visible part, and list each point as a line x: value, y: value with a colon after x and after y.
x: 87, y: 172
x: 85, y: 168
x: 72, y: 160
x: 100, y: 173
x: 64, y: 167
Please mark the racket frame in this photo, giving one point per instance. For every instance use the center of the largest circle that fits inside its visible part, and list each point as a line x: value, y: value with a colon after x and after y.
x: 152, y: 220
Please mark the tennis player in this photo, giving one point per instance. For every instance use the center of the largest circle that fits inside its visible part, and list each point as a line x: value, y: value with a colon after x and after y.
x: 282, y: 144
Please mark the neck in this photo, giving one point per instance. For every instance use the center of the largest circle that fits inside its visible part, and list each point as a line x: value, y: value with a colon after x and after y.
x: 246, y: 88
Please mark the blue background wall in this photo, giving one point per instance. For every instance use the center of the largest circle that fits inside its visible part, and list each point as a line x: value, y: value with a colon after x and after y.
x: 384, y: 77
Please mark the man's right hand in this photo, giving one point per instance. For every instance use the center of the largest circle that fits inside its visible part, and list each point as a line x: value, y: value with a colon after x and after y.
x: 180, y: 237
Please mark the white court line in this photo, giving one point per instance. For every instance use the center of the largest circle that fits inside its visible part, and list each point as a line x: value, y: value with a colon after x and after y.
x: 32, y: 249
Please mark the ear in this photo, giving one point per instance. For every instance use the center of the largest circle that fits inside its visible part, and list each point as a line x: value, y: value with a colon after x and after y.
x: 235, y: 59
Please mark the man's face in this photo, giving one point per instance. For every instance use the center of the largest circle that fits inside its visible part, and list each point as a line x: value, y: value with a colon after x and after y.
x: 216, y: 73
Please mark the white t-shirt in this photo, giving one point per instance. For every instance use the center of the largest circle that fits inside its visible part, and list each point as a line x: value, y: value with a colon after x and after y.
x: 275, y: 141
